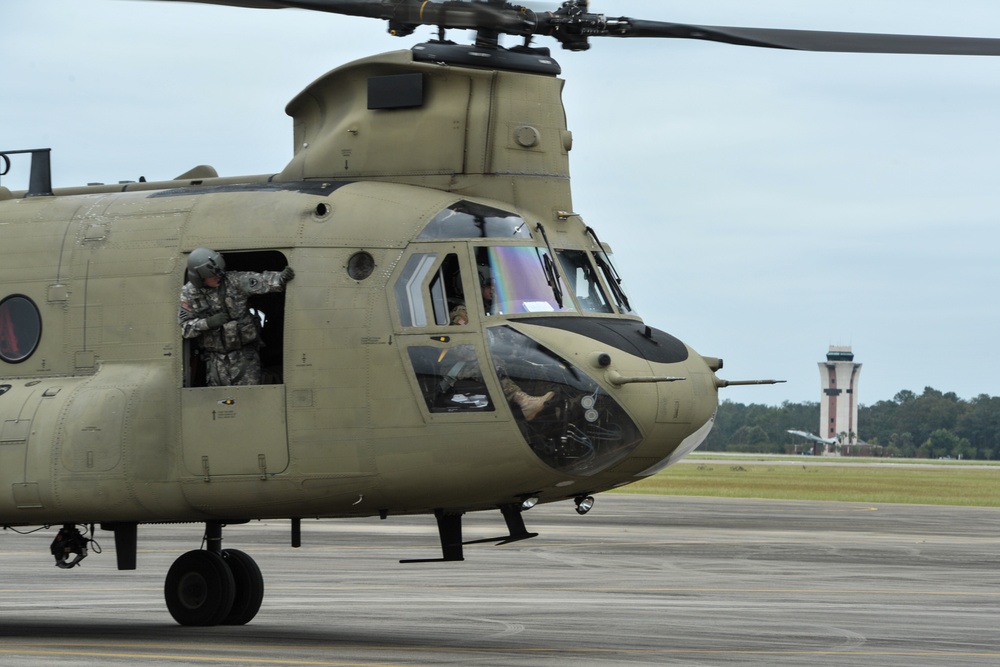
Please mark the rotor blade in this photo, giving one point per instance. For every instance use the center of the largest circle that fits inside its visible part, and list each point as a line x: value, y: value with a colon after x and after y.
x: 573, y: 25
x: 450, y: 14
x: 369, y: 8
x: 809, y: 40
x: 249, y: 4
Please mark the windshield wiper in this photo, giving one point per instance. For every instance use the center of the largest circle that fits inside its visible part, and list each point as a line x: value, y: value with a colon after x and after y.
x: 551, y: 274
x: 610, y: 272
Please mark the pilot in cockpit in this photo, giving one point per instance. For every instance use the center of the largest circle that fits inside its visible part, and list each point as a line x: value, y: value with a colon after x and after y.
x: 530, y: 405
x: 489, y: 293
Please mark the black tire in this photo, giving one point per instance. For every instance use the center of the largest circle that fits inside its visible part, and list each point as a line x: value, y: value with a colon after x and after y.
x: 249, y: 587
x: 199, y: 589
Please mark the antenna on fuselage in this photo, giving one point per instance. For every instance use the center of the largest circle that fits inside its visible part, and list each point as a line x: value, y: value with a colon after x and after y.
x: 40, y: 179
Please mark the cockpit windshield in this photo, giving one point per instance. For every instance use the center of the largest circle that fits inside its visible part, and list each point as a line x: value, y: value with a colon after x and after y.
x: 520, y: 279
x: 607, y: 267
x: 605, y: 263
x: 583, y: 281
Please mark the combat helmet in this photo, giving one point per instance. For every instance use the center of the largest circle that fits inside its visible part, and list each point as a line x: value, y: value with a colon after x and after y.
x: 204, y: 263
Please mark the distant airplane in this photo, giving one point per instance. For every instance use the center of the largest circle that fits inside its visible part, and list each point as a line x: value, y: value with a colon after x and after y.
x: 814, y: 438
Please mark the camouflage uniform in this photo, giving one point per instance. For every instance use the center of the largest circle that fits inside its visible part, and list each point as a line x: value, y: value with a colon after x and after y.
x: 232, y: 351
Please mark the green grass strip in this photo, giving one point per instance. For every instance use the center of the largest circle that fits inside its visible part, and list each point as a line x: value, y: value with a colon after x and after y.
x: 922, y: 485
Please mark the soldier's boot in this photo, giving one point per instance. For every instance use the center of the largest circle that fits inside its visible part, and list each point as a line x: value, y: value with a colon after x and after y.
x: 531, y: 405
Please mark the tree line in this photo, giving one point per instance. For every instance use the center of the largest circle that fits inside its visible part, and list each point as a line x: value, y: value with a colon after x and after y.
x: 929, y: 425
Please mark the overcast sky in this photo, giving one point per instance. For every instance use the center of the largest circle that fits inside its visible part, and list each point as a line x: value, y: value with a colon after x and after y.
x: 763, y: 204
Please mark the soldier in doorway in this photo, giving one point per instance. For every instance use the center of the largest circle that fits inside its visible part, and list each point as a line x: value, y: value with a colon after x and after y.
x: 213, y: 311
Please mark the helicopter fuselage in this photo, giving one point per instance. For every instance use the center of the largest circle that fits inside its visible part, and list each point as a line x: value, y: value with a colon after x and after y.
x: 104, y: 420
x: 413, y: 184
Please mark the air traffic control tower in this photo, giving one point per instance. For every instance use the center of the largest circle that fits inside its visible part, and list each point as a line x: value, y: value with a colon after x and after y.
x: 838, y: 405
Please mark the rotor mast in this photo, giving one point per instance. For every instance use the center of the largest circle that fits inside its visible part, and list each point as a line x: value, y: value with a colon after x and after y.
x: 408, y: 117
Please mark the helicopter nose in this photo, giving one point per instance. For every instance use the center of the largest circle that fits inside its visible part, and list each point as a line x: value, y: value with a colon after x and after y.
x: 567, y: 418
x: 607, y: 407
x: 674, y: 405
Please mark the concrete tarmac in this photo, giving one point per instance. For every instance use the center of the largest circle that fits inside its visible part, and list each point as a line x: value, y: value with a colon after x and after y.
x: 638, y: 581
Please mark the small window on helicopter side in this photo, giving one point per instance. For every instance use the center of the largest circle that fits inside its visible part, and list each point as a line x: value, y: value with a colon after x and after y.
x: 583, y: 281
x: 20, y: 328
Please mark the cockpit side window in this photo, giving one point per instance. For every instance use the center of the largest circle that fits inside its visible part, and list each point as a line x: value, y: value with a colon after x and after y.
x: 440, y: 281
x: 446, y: 289
x: 583, y: 281
x: 450, y: 378
x: 408, y: 289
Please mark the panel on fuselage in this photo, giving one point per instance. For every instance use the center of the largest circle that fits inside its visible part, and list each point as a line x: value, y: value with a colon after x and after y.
x: 234, y: 430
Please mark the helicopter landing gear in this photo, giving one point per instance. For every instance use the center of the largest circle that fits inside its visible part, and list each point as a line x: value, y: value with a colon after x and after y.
x: 200, y: 589
x: 249, y: 587
x: 214, y: 586
x: 69, y: 541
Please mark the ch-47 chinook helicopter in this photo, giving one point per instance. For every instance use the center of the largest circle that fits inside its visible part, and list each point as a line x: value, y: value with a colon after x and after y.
x: 419, y: 177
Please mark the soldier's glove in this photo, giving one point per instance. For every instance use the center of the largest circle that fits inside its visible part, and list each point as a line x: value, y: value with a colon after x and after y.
x: 217, y: 320
x: 286, y: 275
